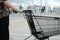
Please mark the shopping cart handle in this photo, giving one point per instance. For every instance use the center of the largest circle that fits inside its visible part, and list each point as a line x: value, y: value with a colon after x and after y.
x: 28, y: 11
x: 56, y: 18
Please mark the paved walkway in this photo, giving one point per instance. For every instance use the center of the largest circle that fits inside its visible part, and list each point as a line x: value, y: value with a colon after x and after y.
x: 19, y: 29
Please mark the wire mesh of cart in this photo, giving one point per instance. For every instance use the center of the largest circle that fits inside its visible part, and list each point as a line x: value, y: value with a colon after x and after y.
x: 42, y: 27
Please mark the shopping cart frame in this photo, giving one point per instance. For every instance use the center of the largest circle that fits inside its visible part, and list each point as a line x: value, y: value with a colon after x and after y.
x: 28, y: 14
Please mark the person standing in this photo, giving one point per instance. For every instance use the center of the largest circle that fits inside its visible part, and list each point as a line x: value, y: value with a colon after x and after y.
x: 4, y: 18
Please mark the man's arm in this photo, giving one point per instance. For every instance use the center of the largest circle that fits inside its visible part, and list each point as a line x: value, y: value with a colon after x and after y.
x: 9, y: 5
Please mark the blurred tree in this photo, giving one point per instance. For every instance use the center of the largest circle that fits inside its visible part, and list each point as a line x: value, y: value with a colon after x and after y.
x: 20, y: 7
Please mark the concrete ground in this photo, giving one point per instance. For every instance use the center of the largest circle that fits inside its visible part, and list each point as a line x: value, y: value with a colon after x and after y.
x: 19, y: 29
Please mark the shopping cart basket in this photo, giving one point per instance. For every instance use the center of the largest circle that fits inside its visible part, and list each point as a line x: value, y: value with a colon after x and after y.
x: 42, y: 27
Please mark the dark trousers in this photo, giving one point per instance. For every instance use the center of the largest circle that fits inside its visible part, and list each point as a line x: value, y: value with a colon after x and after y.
x: 4, y: 28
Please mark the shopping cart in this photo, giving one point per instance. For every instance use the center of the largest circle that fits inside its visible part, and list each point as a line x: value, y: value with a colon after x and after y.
x: 42, y: 27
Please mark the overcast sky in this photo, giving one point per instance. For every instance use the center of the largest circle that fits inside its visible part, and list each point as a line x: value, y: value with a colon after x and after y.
x: 18, y: 1
x: 21, y: 1
x: 50, y: 2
